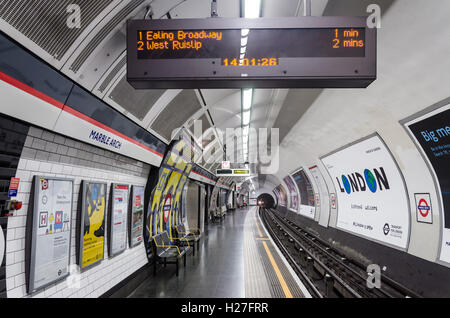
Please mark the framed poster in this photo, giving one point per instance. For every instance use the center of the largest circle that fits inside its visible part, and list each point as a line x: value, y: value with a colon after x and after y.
x: 306, y: 192
x: 92, y: 223
x: 323, y: 201
x: 49, y: 230
x: 430, y: 131
x: 136, y: 217
x: 371, y: 191
x: 117, y: 220
x: 293, y: 205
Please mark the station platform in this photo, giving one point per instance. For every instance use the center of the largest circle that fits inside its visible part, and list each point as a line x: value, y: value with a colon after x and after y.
x: 237, y: 259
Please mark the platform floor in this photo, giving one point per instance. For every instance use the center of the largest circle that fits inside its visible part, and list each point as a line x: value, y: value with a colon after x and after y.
x: 237, y: 259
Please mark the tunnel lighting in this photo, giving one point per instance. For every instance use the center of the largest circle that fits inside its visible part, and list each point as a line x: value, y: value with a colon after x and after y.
x: 246, y: 118
x: 244, y: 41
x: 245, y: 32
x: 243, y: 50
x: 247, y: 99
x: 252, y: 9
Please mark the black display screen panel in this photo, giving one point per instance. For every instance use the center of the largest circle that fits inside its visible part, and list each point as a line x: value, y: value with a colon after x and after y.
x: 311, y: 52
x: 250, y: 47
x: 433, y: 135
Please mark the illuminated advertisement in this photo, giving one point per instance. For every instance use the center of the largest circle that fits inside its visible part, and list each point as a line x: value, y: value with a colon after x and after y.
x: 305, y: 189
x: 372, y: 196
x: 324, y: 198
x: 293, y: 205
x: 117, y: 221
x: 93, y: 213
x: 50, y: 231
x: 136, y: 221
x: 431, y: 132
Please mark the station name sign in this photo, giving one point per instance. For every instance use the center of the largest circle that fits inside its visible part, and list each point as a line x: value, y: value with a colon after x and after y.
x: 308, y: 52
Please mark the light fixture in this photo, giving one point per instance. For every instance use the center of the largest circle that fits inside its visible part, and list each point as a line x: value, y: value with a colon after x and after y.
x: 252, y: 9
x: 245, y: 130
x: 244, y: 41
x: 245, y: 32
x: 243, y: 49
x: 246, y: 118
x: 247, y: 98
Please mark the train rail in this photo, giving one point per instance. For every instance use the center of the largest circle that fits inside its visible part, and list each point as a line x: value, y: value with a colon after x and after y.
x: 325, y: 271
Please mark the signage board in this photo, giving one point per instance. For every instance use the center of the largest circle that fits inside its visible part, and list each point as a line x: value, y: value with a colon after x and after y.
x: 49, y: 228
x: 92, y: 224
x: 117, y: 220
x: 13, y: 187
x: 431, y: 133
x: 320, y: 52
x: 136, y: 220
x: 373, y: 201
x: 424, y: 210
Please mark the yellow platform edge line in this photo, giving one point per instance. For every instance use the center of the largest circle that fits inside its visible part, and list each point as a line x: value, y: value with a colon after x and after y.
x: 280, y: 277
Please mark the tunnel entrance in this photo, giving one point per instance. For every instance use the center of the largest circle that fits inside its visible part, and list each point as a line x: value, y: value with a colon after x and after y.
x: 265, y: 200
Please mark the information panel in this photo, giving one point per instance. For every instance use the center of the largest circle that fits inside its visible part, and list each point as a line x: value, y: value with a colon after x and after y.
x: 431, y: 132
x: 50, y: 231
x: 372, y: 196
x: 93, y: 214
x: 266, y: 52
x: 136, y: 220
x: 305, y: 189
x: 293, y: 205
x: 117, y: 226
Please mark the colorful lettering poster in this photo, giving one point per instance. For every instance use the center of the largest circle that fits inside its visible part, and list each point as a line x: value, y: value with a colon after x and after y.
x: 93, y: 214
x: 118, y: 219
x: 137, y: 215
x: 50, y: 231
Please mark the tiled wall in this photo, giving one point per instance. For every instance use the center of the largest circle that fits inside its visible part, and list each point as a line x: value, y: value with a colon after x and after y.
x: 48, y: 154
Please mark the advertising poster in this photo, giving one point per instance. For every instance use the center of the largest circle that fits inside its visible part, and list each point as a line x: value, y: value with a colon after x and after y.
x: 293, y: 205
x: 371, y: 192
x: 50, y: 232
x: 93, y: 215
x: 276, y: 191
x: 117, y: 226
x: 136, y: 216
x: 2, y: 246
x: 282, y: 196
x: 306, y: 191
x: 323, y: 200
x: 431, y: 132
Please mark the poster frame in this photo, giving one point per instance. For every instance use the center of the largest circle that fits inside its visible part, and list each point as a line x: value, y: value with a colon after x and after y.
x: 31, y: 224
x: 80, y: 226
x: 437, y: 187
x: 301, y: 168
x: 408, y: 199
x: 130, y: 216
x: 109, y: 220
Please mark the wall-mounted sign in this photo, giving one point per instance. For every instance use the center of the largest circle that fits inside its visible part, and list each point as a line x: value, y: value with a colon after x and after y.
x: 50, y: 231
x: 117, y: 221
x: 264, y: 53
x: 92, y: 220
x: 136, y: 221
x: 167, y: 207
x: 333, y: 200
x: 431, y: 132
x: 13, y: 187
x: 372, y: 195
x: 424, y: 210
x: 233, y: 172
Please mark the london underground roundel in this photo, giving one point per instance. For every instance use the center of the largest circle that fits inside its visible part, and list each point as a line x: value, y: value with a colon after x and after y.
x: 167, y: 206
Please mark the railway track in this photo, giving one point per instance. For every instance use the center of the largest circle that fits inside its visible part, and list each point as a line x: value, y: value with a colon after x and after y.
x: 325, y: 271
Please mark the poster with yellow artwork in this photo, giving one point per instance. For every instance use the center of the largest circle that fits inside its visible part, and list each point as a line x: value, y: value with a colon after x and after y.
x: 92, y: 238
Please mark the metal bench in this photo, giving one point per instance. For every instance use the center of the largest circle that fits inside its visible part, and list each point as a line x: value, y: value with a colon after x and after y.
x: 192, y: 236
x: 164, y: 250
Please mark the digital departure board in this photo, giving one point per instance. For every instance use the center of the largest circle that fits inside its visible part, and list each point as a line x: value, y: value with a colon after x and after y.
x: 233, y: 172
x: 235, y: 53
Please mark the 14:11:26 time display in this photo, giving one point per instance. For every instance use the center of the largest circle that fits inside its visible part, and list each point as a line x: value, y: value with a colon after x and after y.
x: 250, y: 62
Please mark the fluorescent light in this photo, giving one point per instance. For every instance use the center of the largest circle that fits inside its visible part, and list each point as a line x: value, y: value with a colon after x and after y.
x: 244, y: 41
x: 243, y: 49
x: 252, y: 9
x: 248, y: 98
x: 245, y: 131
x: 246, y: 118
x: 245, y: 32
x: 242, y: 56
